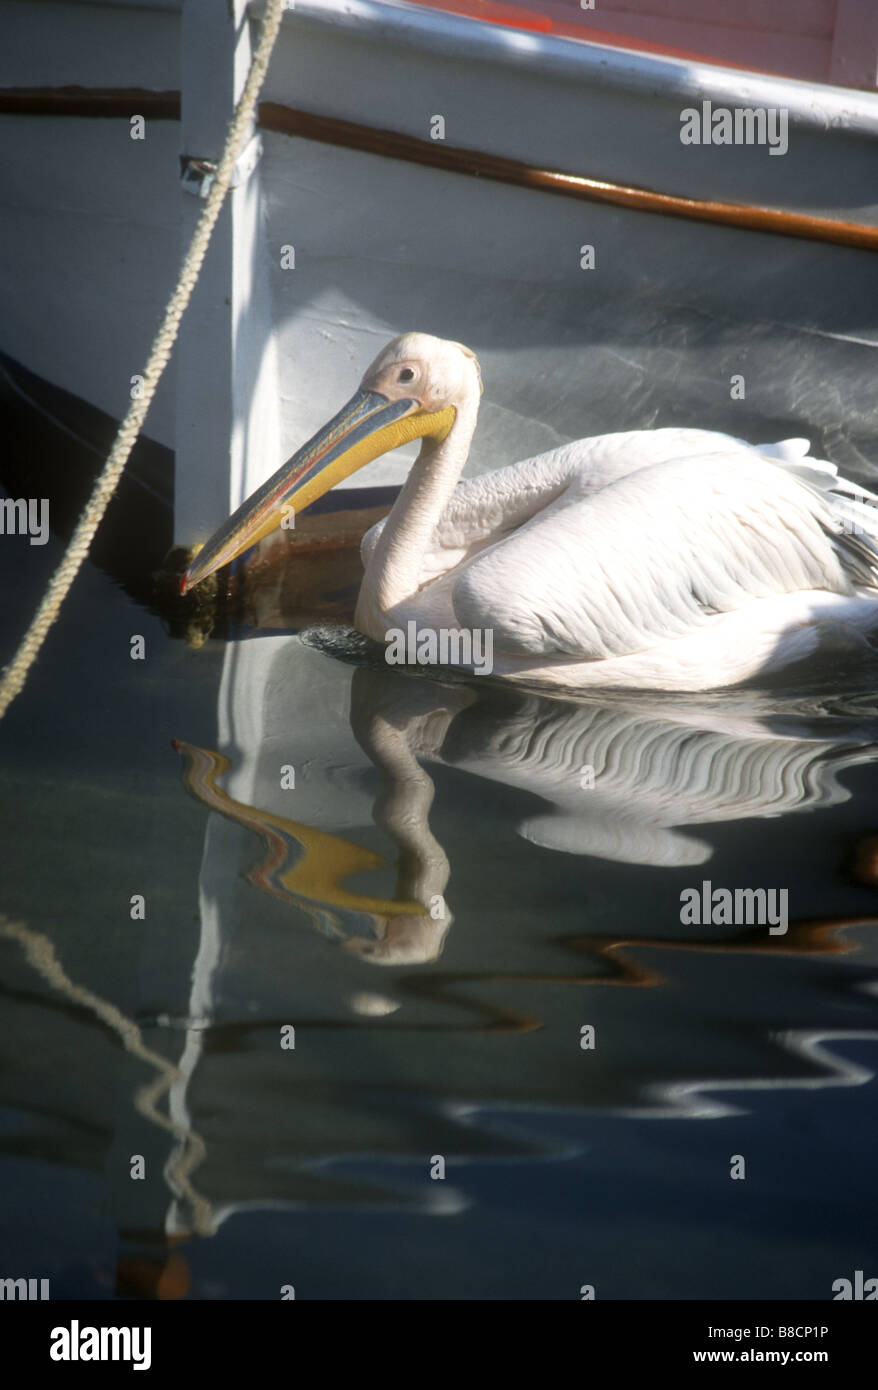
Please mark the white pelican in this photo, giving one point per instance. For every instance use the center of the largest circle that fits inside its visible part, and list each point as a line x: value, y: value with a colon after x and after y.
x: 674, y: 559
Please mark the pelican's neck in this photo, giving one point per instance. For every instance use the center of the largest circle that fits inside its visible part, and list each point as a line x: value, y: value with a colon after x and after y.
x: 394, y: 568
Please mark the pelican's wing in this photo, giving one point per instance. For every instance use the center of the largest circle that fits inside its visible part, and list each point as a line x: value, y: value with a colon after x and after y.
x: 482, y: 510
x: 658, y: 551
x: 493, y: 505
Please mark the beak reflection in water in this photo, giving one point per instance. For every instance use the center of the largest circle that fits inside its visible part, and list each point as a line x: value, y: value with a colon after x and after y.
x: 307, y: 869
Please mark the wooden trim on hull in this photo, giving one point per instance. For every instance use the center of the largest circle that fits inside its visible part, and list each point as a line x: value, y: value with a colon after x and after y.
x: 329, y: 130
x: 90, y: 101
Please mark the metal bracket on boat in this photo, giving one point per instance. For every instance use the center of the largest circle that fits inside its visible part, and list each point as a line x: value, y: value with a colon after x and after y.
x: 197, y: 175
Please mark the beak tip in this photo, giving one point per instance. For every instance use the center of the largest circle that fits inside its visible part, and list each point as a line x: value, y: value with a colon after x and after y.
x: 303, y: 478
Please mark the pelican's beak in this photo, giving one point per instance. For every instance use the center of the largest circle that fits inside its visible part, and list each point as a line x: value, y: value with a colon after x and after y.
x: 368, y: 426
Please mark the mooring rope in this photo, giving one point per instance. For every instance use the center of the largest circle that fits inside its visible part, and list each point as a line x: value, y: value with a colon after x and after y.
x: 40, y: 953
x: 16, y: 673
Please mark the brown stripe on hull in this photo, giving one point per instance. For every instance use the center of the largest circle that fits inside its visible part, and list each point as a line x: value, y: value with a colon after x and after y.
x: 286, y: 120
x: 329, y: 130
x: 90, y: 101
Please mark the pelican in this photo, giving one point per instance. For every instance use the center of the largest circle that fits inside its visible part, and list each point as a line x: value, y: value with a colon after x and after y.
x: 672, y: 559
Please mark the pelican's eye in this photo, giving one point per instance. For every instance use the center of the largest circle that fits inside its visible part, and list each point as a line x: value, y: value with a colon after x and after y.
x: 406, y: 374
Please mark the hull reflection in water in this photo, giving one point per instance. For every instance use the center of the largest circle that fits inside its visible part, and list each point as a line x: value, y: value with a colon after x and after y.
x: 553, y: 928
x: 566, y: 895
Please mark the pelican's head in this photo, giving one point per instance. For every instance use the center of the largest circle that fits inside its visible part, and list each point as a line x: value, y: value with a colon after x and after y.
x: 435, y: 373
x: 409, y: 939
x: 414, y: 389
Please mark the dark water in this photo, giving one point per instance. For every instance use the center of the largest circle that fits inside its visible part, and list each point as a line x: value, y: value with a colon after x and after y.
x: 453, y: 1037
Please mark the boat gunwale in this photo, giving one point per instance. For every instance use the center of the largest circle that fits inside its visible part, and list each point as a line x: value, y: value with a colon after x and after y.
x: 814, y: 105
x: 81, y: 102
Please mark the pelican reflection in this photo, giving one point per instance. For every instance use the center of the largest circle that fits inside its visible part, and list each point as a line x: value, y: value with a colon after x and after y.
x: 627, y: 782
